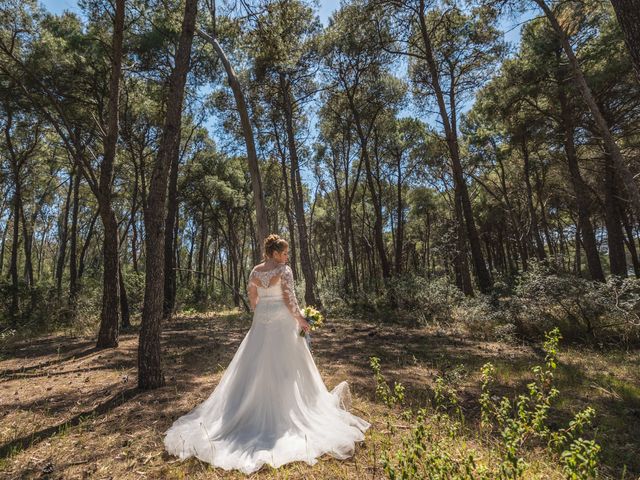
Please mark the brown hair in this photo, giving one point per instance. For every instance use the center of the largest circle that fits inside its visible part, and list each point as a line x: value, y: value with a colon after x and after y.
x: 274, y: 243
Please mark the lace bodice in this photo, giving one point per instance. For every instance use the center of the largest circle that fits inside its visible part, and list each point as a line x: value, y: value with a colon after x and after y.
x: 264, y: 279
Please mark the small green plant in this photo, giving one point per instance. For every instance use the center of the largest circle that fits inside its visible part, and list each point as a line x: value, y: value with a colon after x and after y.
x: 436, y: 447
x: 525, y: 419
x: 384, y: 392
x: 445, y: 391
x: 424, y: 454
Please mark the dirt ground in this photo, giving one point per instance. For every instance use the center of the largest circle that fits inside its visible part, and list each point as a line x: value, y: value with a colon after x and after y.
x: 68, y: 411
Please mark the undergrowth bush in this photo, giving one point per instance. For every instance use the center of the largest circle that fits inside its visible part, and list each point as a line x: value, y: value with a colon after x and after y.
x: 438, y: 445
x: 535, y: 301
x: 582, y: 309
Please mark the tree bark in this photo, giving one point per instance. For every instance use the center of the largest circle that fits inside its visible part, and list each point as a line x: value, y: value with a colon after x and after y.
x: 169, y: 238
x: 73, y: 247
x: 85, y: 245
x: 150, y: 373
x: 628, y: 13
x: 631, y: 243
x: 110, y: 317
x: 615, y: 235
x: 400, y: 218
x: 124, y: 300
x: 463, y: 277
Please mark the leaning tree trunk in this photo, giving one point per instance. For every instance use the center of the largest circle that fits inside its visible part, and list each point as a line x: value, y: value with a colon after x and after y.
x: 150, y: 373
x: 630, y: 242
x: 607, y: 137
x: 287, y: 204
x: 110, y: 317
x: 628, y: 13
x: 247, y: 131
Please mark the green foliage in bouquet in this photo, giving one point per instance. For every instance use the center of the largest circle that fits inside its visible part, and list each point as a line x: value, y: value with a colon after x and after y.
x: 313, y: 317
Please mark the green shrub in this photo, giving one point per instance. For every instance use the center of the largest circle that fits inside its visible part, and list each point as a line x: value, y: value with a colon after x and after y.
x: 436, y: 448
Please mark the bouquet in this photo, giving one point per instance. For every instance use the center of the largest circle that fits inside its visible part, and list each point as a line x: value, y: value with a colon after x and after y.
x: 314, y: 318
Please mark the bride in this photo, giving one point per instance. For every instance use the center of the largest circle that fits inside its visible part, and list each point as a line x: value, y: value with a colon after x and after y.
x: 271, y: 405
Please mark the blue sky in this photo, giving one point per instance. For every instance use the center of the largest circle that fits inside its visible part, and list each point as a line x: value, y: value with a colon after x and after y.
x: 58, y: 6
x: 326, y: 8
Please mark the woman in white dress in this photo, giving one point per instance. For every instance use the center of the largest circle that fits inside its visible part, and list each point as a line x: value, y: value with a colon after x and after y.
x: 271, y: 405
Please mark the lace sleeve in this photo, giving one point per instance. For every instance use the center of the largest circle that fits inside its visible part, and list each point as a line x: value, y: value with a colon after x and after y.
x: 289, y: 293
x: 252, y: 291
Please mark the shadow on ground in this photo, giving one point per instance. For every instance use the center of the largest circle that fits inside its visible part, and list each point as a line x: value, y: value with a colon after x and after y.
x: 69, y: 409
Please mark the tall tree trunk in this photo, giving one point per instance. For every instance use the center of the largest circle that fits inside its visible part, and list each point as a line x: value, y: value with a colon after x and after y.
x: 583, y: 201
x: 628, y: 13
x: 378, y: 237
x: 27, y: 235
x: 13, y: 262
x: 73, y: 248
x: 133, y: 223
x: 297, y: 194
x: 607, y: 137
x: 4, y: 240
x: 110, y: 318
x: 169, y: 238
x: 482, y: 274
x: 124, y: 300
x: 460, y: 259
x: 150, y: 373
x: 615, y: 235
x: 399, y: 219
x: 64, y: 232
x: 201, y: 254
x: 85, y: 245
x: 631, y: 243
x: 533, y: 217
x: 578, y: 265
x: 344, y: 221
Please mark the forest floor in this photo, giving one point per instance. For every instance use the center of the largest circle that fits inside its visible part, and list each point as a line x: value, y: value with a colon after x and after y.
x: 68, y: 411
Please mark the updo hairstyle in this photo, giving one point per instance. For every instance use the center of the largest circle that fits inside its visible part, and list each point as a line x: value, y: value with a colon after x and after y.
x: 274, y: 243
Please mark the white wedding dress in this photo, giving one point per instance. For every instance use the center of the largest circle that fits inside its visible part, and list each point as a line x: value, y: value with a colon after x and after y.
x: 271, y: 405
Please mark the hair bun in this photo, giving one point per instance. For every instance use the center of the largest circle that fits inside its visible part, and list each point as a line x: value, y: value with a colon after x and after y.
x: 274, y: 243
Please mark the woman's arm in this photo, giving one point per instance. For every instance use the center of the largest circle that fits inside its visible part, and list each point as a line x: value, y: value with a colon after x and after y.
x: 252, y: 292
x: 289, y: 294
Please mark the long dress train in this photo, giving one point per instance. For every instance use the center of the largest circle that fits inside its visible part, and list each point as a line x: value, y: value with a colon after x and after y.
x: 271, y: 405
